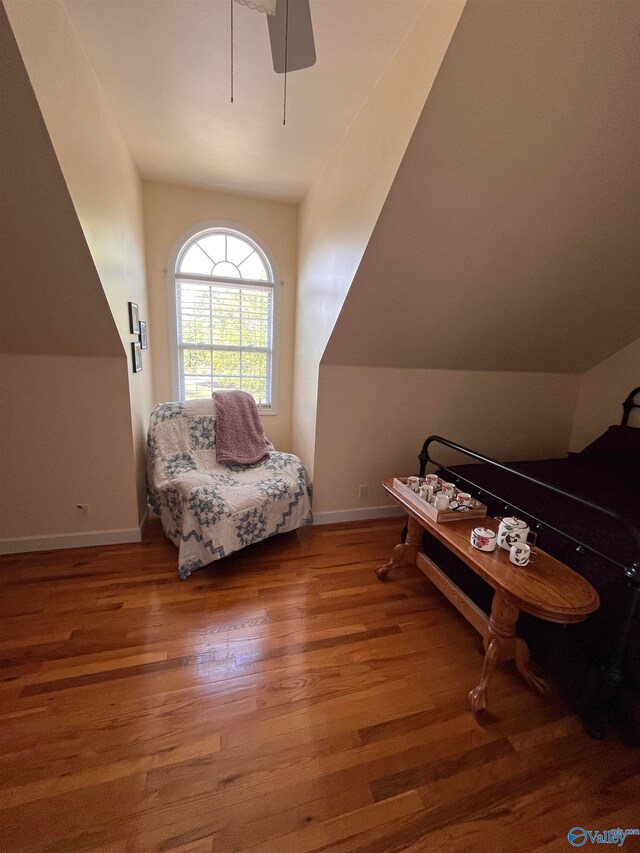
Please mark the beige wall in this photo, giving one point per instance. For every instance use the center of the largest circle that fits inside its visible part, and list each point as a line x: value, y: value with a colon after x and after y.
x: 65, y: 425
x: 103, y: 182
x: 170, y: 212
x: 492, y: 216
x: 65, y: 439
x: 373, y: 421
x: 340, y: 210
x: 45, y: 260
x: 602, y: 390
x: 509, y: 238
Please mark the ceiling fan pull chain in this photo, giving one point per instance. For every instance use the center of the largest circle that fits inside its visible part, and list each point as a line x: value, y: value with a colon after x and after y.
x: 231, y: 1
x: 286, y: 57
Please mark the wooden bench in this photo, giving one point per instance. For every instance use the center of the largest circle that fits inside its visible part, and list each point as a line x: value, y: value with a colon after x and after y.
x: 545, y: 588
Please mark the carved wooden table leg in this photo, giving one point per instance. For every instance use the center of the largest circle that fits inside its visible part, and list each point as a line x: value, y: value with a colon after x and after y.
x: 397, y: 559
x: 413, y: 542
x: 501, y: 646
x: 522, y: 664
x: 406, y: 551
x: 478, y: 696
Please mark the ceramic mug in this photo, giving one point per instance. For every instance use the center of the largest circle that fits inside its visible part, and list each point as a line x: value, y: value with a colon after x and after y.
x: 441, y: 501
x: 483, y: 539
x: 426, y: 493
x: 512, y: 530
x: 520, y: 553
x: 432, y: 480
x: 449, y: 490
x: 464, y: 498
x: 413, y: 483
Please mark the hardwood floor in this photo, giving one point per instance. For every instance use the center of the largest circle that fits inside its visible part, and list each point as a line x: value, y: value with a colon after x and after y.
x: 283, y: 700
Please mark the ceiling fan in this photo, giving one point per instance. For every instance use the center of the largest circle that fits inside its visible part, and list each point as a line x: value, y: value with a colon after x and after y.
x: 290, y: 36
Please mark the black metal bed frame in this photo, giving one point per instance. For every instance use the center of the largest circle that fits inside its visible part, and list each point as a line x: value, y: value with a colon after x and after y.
x: 612, y: 674
x: 628, y: 405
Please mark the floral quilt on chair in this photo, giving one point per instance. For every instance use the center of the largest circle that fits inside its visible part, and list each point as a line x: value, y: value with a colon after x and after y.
x: 209, y: 510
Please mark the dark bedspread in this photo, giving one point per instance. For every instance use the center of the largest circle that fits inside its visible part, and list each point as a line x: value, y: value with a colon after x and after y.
x: 571, y: 654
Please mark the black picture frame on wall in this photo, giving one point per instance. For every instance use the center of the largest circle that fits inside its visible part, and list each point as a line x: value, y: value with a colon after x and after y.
x: 134, y: 320
x: 136, y: 356
x: 144, y: 343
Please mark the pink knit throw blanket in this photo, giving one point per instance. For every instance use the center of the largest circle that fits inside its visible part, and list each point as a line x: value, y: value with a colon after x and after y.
x: 239, y: 434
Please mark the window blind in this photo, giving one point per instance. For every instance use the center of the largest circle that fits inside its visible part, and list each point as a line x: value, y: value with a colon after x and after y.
x: 225, y: 337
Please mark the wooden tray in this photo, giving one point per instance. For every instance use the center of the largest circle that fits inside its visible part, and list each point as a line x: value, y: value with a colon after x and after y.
x: 438, y: 515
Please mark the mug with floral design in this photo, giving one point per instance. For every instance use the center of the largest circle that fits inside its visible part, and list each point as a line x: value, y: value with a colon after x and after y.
x: 441, y: 501
x: 449, y: 490
x: 426, y: 492
x: 520, y: 553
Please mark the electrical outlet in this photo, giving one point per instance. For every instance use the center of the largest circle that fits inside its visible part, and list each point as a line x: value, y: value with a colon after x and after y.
x: 363, y: 491
x: 82, y: 511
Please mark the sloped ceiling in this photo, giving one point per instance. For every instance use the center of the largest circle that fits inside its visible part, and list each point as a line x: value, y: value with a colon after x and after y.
x: 51, y: 299
x: 510, y: 237
x: 164, y: 67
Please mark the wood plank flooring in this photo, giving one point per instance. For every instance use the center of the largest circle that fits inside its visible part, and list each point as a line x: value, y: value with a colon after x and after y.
x: 282, y: 700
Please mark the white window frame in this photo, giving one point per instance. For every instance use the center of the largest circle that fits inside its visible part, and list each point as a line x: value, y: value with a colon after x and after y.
x: 180, y: 247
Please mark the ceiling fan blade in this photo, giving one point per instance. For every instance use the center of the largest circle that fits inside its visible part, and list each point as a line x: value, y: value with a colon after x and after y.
x: 301, y: 52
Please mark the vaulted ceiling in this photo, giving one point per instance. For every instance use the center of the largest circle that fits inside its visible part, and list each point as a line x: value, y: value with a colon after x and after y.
x: 510, y: 237
x: 164, y: 67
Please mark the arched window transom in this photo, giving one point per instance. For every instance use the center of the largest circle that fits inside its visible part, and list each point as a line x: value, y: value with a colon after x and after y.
x: 224, y: 312
x: 222, y: 254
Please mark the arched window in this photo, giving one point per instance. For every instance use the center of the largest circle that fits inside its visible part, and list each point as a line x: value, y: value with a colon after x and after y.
x: 224, y: 312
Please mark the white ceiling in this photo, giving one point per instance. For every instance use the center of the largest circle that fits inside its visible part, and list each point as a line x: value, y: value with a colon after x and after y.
x: 164, y: 67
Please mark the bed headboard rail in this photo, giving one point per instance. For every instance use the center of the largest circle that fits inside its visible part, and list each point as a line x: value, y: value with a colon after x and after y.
x: 632, y: 571
x: 629, y: 404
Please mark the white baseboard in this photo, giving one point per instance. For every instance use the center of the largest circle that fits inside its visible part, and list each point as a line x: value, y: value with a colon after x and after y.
x: 360, y: 514
x: 72, y: 540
